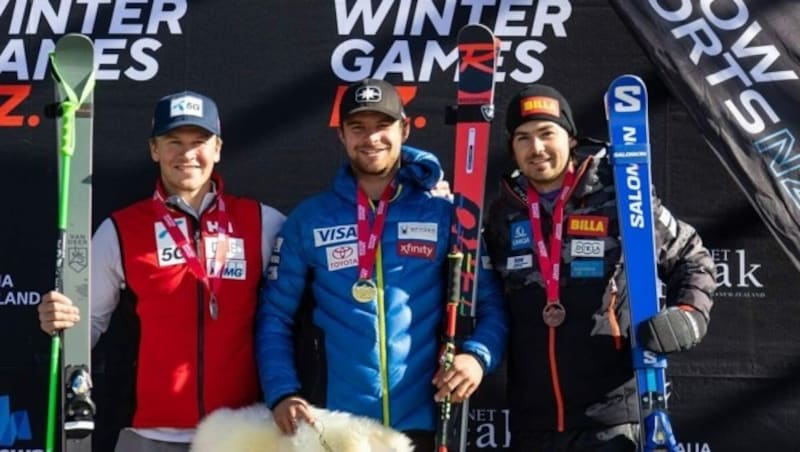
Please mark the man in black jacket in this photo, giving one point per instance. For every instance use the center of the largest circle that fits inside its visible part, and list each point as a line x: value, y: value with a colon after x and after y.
x: 570, y: 370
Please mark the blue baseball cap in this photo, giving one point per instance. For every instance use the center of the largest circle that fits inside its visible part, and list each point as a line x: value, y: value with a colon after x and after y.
x: 186, y: 108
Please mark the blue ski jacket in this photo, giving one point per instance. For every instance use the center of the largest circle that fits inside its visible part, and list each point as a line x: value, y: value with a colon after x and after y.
x: 381, y: 355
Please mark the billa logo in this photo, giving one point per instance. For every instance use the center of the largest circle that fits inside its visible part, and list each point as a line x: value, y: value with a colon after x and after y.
x: 592, y: 225
x: 539, y: 105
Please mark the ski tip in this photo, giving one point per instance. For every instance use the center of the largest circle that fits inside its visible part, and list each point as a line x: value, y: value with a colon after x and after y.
x: 72, y: 41
x: 628, y: 80
x: 474, y: 31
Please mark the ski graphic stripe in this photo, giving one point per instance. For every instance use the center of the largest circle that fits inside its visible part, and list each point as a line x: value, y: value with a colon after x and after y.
x: 477, y: 52
x: 626, y: 106
x: 72, y: 68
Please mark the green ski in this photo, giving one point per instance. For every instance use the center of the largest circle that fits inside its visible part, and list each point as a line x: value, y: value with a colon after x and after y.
x: 73, y: 70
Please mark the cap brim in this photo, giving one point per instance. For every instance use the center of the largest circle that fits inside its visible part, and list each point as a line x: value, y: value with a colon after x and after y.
x: 181, y: 123
x: 389, y: 113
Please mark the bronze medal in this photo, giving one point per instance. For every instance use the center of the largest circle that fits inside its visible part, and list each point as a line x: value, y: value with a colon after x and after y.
x: 553, y: 314
x: 364, y: 291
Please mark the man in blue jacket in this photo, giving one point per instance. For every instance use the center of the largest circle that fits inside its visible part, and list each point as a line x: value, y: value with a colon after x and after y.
x: 373, y: 249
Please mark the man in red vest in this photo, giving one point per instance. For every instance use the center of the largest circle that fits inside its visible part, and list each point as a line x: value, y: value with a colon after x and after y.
x: 189, y: 260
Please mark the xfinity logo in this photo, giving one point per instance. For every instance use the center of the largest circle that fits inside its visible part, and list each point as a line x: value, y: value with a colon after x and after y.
x: 416, y: 249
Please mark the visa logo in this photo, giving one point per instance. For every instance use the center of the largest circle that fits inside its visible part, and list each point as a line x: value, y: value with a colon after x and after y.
x: 335, y: 234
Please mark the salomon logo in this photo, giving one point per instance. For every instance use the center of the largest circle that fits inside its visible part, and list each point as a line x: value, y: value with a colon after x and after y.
x: 634, y: 184
x: 627, y: 99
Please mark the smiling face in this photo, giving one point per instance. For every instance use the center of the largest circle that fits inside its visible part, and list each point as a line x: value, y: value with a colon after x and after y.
x: 186, y: 156
x: 542, y: 152
x: 372, y: 141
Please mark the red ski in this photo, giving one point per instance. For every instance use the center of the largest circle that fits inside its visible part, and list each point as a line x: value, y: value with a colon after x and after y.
x: 475, y: 109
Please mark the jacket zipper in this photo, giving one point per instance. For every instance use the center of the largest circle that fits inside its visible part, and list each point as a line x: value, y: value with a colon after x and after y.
x: 382, y: 337
x: 555, y: 380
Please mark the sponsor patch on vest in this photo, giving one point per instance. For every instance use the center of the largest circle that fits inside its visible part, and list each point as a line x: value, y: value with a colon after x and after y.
x: 235, y: 262
x: 587, y: 248
x: 168, y: 252
x: 278, y: 244
x: 518, y: 262
x: 342, y: 256
x: 520, y: 235
x: 212, y: 226
x: 486, y: 263
x: 416, y: 248
x: 411, y: 230
x: 590, y: 268
x: 235, y: 247
x: 334, y: 234
x: 234, y: 269
x: 593, y: 225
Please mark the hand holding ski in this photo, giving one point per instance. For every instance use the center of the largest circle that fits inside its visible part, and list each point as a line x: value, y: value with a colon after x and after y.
x: 477, y: 52
x: 626, y: 109
x: 72, y: 66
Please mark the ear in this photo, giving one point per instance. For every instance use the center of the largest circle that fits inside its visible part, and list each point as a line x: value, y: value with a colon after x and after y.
x: 340, y: 133
x: 573, y: 142
x: 151, y: 143
x: 406, y: 125
x: 218, y: 153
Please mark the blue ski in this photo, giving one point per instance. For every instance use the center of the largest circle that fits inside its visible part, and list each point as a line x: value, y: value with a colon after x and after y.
x: 626, y: 109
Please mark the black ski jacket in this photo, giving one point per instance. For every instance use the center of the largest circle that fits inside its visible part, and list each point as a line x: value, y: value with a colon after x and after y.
x: 581, y: 376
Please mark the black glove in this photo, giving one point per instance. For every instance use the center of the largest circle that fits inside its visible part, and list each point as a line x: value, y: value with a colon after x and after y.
x: 672, y: 330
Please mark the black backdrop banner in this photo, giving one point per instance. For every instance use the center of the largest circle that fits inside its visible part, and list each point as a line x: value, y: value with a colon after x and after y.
x: 276, y: 69
x: 735, y: 66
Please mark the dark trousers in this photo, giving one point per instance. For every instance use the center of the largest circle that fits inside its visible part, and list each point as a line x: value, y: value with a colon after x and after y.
x: 129, y: 441
x: 618, y: 438
x: 423, y: 440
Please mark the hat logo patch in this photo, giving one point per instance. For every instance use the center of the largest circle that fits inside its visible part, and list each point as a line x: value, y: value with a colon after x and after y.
x: 186, y: 106
x: 368, y: 94
x: 540, y: 105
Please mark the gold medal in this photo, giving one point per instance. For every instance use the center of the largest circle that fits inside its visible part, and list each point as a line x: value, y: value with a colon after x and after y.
x: 553, y: 314
x: 364, y: 290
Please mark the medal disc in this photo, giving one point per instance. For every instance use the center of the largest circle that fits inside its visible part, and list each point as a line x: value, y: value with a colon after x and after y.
x: 553, y: 314
x: 364, y: 290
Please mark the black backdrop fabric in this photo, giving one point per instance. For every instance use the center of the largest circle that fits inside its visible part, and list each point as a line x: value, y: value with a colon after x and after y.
x: 276, y: 69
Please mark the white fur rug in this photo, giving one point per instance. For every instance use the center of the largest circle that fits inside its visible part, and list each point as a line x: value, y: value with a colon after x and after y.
x: 251, y: 429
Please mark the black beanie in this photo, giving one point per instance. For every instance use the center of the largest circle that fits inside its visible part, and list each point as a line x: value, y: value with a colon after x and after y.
x: 540, y: 102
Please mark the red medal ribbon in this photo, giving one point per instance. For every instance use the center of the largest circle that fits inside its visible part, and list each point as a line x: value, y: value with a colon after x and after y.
x: 213, y: 280
x: 368, y: 239
x: 549, y: 263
